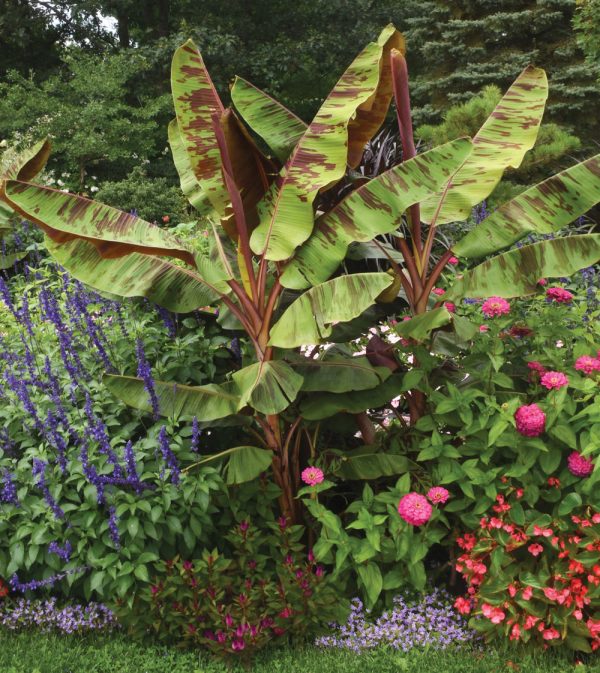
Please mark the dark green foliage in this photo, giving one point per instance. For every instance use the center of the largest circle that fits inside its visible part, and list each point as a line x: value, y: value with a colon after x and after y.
x: 457, y: 48
x: 587, y: 25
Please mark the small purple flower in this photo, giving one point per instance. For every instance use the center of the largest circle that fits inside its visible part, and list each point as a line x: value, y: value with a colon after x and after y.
x: 63, y: 552
x: 145, y: 373
x: 113, y: 527
x: 39, y: 473
x: 8, y: 493
x: 168, y: 455
x: 195, y: 444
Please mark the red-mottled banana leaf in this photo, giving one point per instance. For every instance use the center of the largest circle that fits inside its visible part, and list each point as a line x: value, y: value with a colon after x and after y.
x: 28, y: 163
x: 336, y: 137
x: 135, y: 275
x: 279, y: 128
x: 547, y: 207
x: 268, y: 387
x: 516, y: 273
x: 66, y: 217
x: 500, y: 143
x: 373, y: 209
x: 310, y: 318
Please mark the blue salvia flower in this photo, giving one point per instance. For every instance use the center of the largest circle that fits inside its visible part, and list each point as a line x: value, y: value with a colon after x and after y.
x: 39, y: 472
x: 120, y: 319
x: 19, y: 387
x: 168, y: 456
x: 8, y: 492
x: 25, y: 315
x: 167, y: 319
x: 195, y: 444
x: 22, y: 587
x: 113, y: 527
x: 63, y: 552
x: 90, y: 473
x: 235, y: 349
x: 98, y: 432
x: 145, y: 373
x: 6, y: 298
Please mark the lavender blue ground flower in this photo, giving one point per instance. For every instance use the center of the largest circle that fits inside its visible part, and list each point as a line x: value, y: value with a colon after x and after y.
x: 429, y: 622
x: 48, y: 616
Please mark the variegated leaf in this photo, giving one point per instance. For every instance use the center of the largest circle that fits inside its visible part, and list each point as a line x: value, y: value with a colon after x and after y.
x: 10, y: 259
x: 196, y: 102
x: 340, y: 374
x: 310, y: 318
x: 373, y: 209
x: 206, y: 403
x: 419, y: 327
x: 174, y: 287
x: 28, y: 163
x: 268, y: 387
x: 65, y: 217
x: 545, y: 208
x: 274, y: 123
x: 336, y: 137
x: 500, y: 143
x: 188, y: 181
x: 515, y: 273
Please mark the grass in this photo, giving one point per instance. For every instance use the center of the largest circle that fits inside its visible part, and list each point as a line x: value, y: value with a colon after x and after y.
x: 39, y: 653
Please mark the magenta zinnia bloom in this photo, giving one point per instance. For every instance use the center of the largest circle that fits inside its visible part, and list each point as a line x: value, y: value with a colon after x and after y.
x: 450, y: 307
x: 438, y: 495
x: 312, y: 476
x: 554, y: 380
x: 414, y: 509
x: 530, y: 420
x: 559, y: 295
x: 495, y: 306
x: 579, y: 466
x: 587, y: 364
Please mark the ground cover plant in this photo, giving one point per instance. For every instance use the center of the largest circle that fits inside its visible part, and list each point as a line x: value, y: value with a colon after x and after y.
x: 363, y: 390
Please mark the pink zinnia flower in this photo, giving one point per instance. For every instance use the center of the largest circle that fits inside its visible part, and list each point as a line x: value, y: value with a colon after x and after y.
x: 484, y: 328
x: 450, y: 307
x: 579, y: 466
x: 536, y: 366
x: 542, y: 282
x: 312, y: 476
x: 438, y: 495
x: 552, y: 380
x: 559, y: 295
x: 414, y: 509
x: 495, y: 306
x: 438, y: 291
x: 587, y: 364
x: 453, y: 260
x: 530, y: 420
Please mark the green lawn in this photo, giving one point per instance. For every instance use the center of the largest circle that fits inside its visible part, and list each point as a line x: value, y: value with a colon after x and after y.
x: 36, y: 653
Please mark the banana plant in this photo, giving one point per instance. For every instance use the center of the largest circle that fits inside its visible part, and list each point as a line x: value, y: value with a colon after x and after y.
x: 266, y: 182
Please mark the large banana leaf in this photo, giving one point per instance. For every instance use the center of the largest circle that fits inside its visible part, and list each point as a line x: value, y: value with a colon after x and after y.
x: 373, y: 209
x: 275, y: 124
x: 8, y: 260
x: 351, y: 114
x: 317, y: 406
x: 545, y: 208
x: 420, y: 326
x: 196, y: 102
x: 310, y: 318
x: 65, y: 217
x: 501, y: 142
x: 340, y: 374
x: 268, y: 387
x: 245, y: 462
x: 174, y: 287
x: 188, y: 181
x: 28, y: 163
x: 206, y: 403
x: 515, y: 273
x: 365, y: 464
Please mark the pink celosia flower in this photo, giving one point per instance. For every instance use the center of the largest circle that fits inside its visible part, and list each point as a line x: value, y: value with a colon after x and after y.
x: 484, y: 328
x: 559, y: 295
x: 542, y: 282
x: 453, y: 260
x: 450, y: 307
x: 439, y: 291
x: 495, y: 306
x: 552, y: 380
x: 578, y: 465
x: 587, y: 364
x: 438, y: 495
x: 414, y: 509
x: 530, y: 420
x: 535, y: 549
x: 312, y: 476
